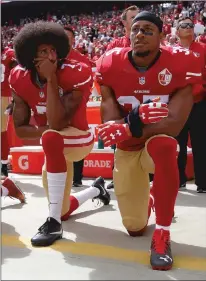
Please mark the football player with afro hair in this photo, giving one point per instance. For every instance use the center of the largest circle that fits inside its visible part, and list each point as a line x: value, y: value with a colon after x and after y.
x: 32, y: 35
x: 56, y: 90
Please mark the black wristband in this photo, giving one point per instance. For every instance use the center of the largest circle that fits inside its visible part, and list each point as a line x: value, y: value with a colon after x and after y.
x: 134, y: 121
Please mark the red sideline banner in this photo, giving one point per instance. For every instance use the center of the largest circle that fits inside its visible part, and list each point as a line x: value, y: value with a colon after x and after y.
x: 30, y: 159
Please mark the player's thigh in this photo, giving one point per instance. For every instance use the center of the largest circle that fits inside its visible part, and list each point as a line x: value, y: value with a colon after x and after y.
x: 131, y: 185
x: 78, y: 144
x: 4, y: 117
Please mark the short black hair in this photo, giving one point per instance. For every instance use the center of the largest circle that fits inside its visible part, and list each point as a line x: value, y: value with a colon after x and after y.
x: 68, y: 28
x: 34, y: 34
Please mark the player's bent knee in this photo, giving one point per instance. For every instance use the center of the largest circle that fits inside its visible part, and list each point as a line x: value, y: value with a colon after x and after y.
x: 52, y: 141
x: 134, y: 227
x: 162, y: 146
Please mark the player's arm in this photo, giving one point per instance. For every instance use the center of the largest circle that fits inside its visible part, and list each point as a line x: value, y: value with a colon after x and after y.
x: 71, y: 102
x: 179, y: 107
x: 21, y: 117
x: 55, y: 110
x: 109, y: 108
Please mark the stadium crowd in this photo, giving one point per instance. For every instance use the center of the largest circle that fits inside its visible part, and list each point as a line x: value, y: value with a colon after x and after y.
x: 93, y: 32
x: 145, y: 144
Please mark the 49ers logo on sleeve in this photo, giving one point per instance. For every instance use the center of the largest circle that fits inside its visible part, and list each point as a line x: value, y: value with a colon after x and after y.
x: 164, y: 77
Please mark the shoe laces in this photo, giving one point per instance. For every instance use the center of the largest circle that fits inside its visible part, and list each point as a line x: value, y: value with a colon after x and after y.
x: 45, y: 227
x: 97, y: 202
x: 161, y: 241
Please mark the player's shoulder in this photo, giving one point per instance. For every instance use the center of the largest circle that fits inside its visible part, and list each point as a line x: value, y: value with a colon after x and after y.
x: 179, y: 55
x: 10, y: 51
x: 112, y: 59
x: 71, y: 66
x: 18, y: 76
x: 75, y: 70
x: 7, y: 54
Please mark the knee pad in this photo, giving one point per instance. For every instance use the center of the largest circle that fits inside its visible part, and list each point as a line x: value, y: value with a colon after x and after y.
x: 162, y: 146
x: 133, y: 226
x: 52, y: 142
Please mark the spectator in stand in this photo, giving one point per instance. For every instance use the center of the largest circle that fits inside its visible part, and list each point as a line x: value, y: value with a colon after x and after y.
x: 127, y: 16
x: 195, y: 125
x: 202, y: 37
x: 74, y: 54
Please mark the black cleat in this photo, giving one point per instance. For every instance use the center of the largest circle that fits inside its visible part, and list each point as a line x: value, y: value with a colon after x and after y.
x: 182, y: 186
x: 104, y: 195
x: 201, y: 190
x: 77, y: 184
x: 48, y: 233
x: 161, y: 255
x: 110, y: 185
x: 4, y: 170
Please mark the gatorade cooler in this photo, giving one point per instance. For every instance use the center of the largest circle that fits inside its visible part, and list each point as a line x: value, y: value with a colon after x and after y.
x: 99, y: 163
x: 27, y: 159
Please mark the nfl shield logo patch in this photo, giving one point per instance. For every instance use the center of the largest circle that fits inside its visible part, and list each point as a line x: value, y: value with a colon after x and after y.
x: 164, y: 77
x: 141, y: 80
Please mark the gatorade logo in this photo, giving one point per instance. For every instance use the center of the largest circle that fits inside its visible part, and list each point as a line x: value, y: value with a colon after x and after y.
x: 23, y: 162
x: 98, y: 164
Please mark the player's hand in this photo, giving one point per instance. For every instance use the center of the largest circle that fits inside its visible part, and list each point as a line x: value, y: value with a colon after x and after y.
x: 153, y: 111
x: 46, y: 68
x: 112, y: 132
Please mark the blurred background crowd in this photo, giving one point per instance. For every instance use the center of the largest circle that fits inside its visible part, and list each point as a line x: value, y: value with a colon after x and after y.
x: 98, y: 23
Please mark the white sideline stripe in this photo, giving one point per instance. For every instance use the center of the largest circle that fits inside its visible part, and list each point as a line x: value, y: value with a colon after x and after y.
x: 82, y: 83
x: 193, y: 73
x: 79, y: 141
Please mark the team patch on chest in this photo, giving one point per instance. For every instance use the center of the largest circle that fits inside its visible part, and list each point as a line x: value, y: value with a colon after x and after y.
x: 165, y: 77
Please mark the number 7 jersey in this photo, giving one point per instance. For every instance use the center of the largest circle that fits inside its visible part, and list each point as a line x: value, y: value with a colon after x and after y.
x: 173, y: 70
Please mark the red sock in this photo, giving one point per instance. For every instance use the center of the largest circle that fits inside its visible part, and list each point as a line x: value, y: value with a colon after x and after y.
x: 53, y: 145
x: 4, y: 146
x: 74, y: 204
x: 166, y: 177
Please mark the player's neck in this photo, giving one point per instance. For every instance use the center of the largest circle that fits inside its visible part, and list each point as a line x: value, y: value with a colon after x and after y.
x: 145, y: 61
x: 186, y: 42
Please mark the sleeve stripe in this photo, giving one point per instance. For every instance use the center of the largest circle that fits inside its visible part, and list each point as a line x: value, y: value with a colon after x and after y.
x: 193, y: 74
x: 86, y: 81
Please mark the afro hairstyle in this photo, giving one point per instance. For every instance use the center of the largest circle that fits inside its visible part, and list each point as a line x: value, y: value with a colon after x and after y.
x: 32, y: 35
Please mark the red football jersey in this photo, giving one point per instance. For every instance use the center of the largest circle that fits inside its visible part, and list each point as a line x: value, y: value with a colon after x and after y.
x: 172, y: 71
x: 121, y: 42
x: 76, y: 55
x: 200, y: 49
x: 71, y: 76
x: 7, y: 57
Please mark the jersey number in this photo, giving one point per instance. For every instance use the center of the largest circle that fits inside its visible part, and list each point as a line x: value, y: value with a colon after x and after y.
x: 130, y: 102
